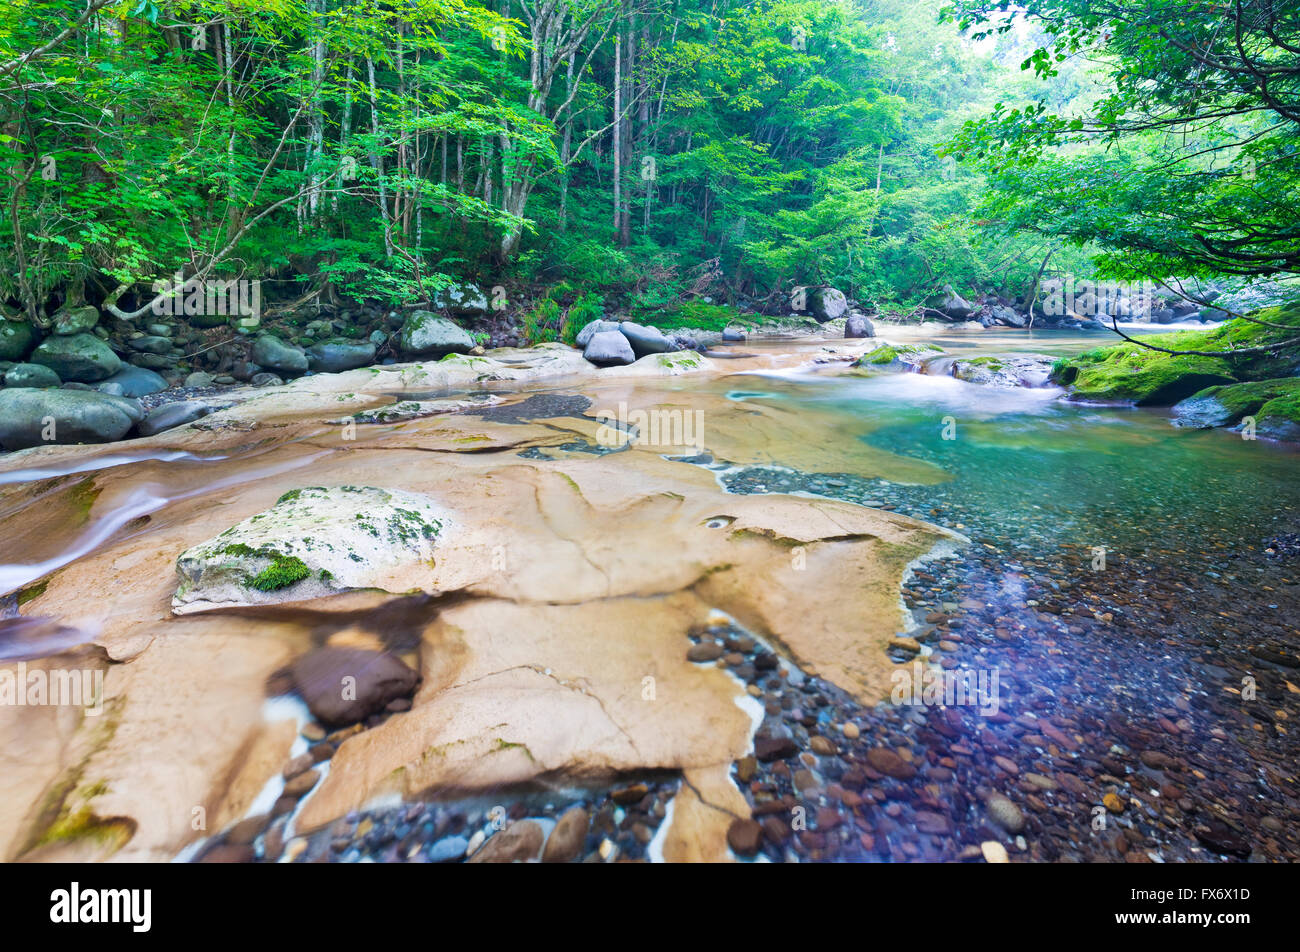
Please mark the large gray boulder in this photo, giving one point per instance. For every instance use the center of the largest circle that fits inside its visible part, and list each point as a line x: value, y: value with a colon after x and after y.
x: 1008, y: 316
x: 17, y: 338
x: 335, y: 356
x: 80, y: 358
x: 827, y: 304
x: 609, y: 348
x: 31, y: 375
x: 857, y: 325
x: 951, y: 304
x: 274, y: 354
x: 135, y: 382
x: 646, y: 340
x: 427, y: 334
x: 41, y: 417
x: 595, y: 327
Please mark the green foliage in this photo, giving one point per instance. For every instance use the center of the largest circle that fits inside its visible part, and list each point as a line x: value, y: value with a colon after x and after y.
x: 1131, y: 372
x: 1186, y: 161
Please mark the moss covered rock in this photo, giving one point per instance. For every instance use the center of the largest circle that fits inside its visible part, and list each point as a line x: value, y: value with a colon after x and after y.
x: 1279, y: 419
x: 312, y: 542
x: 907, y: 357
x: 1131, y: 373
x: 1226, y: 405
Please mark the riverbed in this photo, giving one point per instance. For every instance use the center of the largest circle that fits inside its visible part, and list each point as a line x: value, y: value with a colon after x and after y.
x: 1124, y: 590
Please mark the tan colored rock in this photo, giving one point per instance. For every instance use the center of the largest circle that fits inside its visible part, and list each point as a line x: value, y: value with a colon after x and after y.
x: 550, y: 629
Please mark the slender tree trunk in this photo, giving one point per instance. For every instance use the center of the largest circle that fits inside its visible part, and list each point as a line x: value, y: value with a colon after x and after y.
x: 618, y: 133
x: 376, y: 159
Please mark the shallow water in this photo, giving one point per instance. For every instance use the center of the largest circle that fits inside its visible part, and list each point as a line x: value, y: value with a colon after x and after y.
x: 1024, y: 472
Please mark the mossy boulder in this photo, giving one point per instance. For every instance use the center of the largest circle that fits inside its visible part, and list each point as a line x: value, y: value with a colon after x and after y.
x: 426, y: 334
x: 1130, y: 373
x: 1226, y: 405
x: 906, y: 357
x: 1279, y: 419
x: 313, y: 542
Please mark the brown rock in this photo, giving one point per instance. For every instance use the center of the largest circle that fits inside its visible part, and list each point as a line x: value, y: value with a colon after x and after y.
x: 517, y: 843
x: 565, y: 842
x: 890, y: 764
x: 743, y: 836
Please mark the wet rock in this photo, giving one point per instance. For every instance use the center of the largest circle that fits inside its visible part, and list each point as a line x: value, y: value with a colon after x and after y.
x: 704, y: 651
x: 518, y: 843
x: 1219, y: 838
x: 314, y: 541
x: 857, y: 325
x: 135, y: 382
x: 645, y: 340
x: 744, y: 836
x: 75, y: 320
x: 592, y: 328
x: 1005, y: 813
x: 890, y: 764
x: 826, y: 304
x: 150, y: 344
x: 17, y: 338
x: 566, y: 839
x: 462, y: 300
x: 768, y: 749
x: 345, y: 685
x: 733, y: 334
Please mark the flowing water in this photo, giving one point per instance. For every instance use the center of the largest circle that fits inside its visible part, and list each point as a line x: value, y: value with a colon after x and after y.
x: 1123, y: 573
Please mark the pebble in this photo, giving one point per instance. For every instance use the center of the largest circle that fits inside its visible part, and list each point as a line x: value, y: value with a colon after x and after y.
x: 1005, y: 813
x: 994, y: 852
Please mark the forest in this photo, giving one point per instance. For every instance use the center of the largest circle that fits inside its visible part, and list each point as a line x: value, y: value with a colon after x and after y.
x: 642, y: 156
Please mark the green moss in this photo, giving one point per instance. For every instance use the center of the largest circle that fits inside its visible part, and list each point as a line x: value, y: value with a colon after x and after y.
x: 32, y: 591
x: 284, y: 570
x: 886, y: 354
x: 1248, y: 399
x: 709, y: 317
x: 83, y: 498
x: 84, y: 824
x: 1279, y: 418
x: 1130, y: 372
